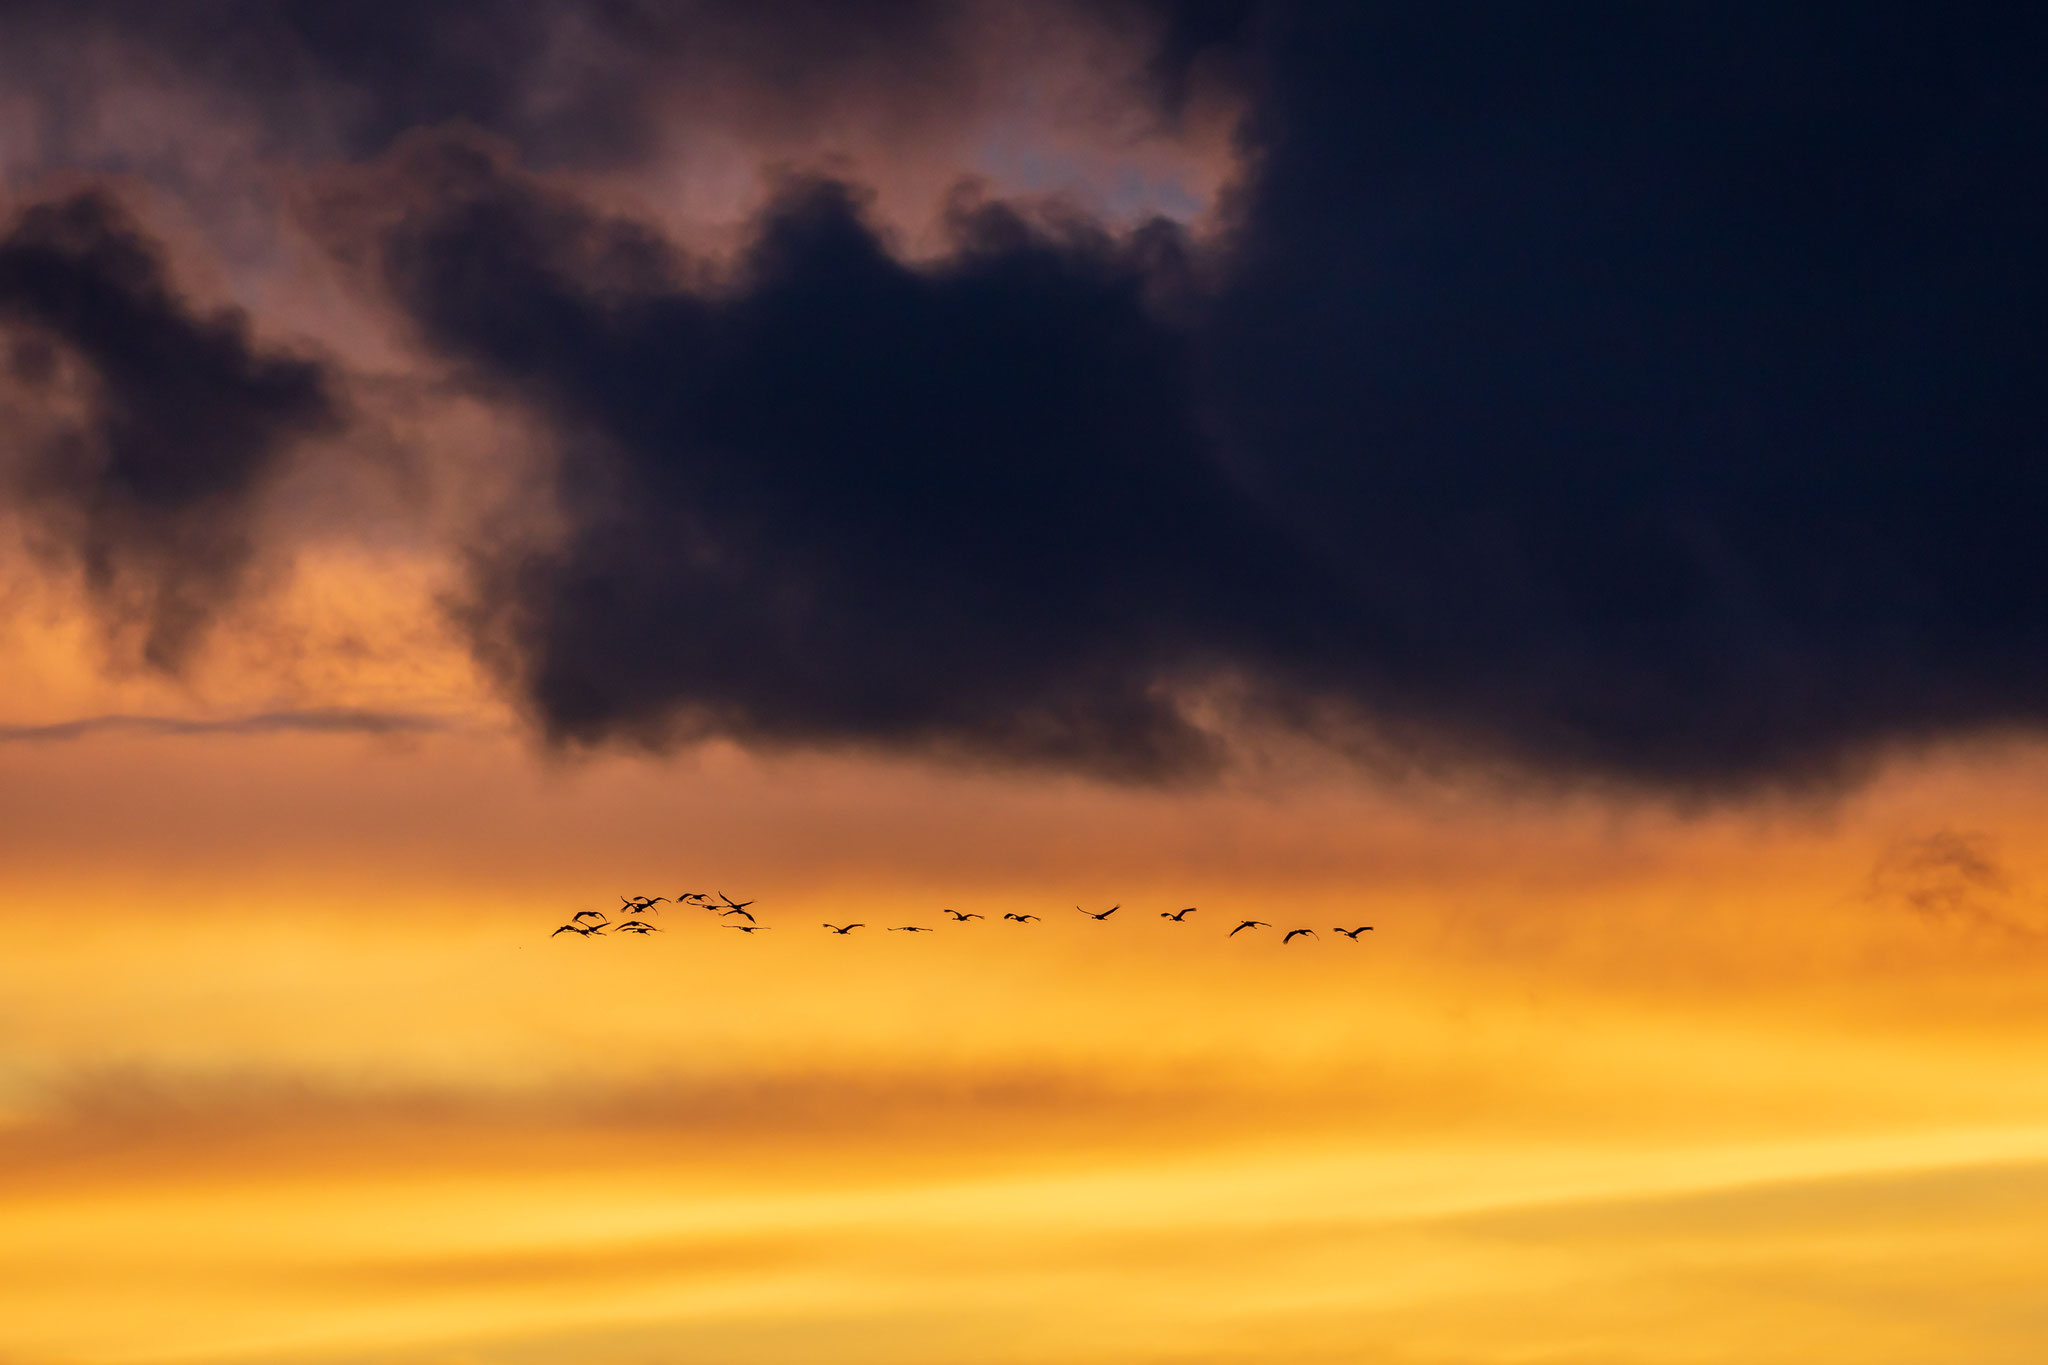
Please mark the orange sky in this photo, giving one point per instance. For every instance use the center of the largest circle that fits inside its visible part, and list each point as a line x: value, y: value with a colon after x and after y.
x: 293, y: 1072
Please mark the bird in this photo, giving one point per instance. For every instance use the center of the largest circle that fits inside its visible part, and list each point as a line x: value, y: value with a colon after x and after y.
x: 737, y: 905
x: 1353, y: 934
x: 910, y: 929
x: 743, y: 928
x: 959, y: 918
x: 597, y: 915
x: 573, y: 929
x: 1288, y: 937
x: 636, y: 927
x: 1104, y: 915
x: 1021, y: 919
x: 1177, y: 915
x: 1249, y: 924
x: 730, y: 913
x: 835, y: 928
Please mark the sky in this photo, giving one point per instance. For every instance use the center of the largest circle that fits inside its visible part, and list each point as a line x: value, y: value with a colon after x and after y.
x: 1557, y: 484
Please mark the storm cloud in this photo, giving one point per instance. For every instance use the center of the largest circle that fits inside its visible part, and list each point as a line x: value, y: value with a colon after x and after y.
x: 1644, y: 392
x: 168, y: 421
x: 831, y: 496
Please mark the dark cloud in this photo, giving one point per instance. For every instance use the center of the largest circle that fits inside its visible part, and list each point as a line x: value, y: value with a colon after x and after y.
x: 1183, y: 38
x: 834, y: 497
x: 1665, y: 378
x: 1651, y: 391
x: 184, y: 421
x: 1648, y: 391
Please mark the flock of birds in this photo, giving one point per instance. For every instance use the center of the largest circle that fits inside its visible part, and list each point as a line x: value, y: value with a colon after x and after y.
x: 594, y: 923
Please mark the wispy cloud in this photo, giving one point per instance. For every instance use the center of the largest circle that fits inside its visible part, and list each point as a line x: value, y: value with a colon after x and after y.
x: 318, y: 721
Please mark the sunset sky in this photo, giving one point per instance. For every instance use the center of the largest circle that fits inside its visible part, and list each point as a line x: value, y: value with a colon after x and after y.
x: 1562, y: 485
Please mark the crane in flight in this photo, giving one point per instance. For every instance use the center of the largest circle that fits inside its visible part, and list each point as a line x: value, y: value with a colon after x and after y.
x: 1292, y: 934
x: 1103, y: 916
x: 910, y: 929
x: 575, y: 929
x: 835, y: 928
x: 959, y: 918
x: 743, y: 928
x: 1353, y: 934
x: 1177, y: 915
x: 730, y: 913
x: 737, y: 905
x: 1249, y: 924
x: 636, y: 926
x: 1021, y: 919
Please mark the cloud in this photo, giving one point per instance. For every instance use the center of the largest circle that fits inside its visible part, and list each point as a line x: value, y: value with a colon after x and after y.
x: 325, y: 721
x: 839, y: 498
x: 1660, y: 376
x: 570, y: 82
x: 181, y: 419
x: 1642, y: 394
x: 1951, y: 876
x: 1624, y: 393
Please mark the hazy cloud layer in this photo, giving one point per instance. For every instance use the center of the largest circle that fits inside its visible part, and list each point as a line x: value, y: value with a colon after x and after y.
x: 569, y: 82
x: 324, y: 721
x: 1646, y: 391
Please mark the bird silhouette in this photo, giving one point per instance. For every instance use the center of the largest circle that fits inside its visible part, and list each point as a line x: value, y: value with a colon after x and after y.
x: 959, y: 918
x: 1290, y: 935
x: 737, y: 905
x: 1353, y: 934
x: 730, y: 913
x: 1177, y: 915
x: 636, y: 927
x: 743, y: 928
x: 597, y: 915
x: 837, y: 928
x: 1249, y: 924
x: 572, y: 929
x: 1021, y: 919
x: 910, y: 929
x: 1104, y: 915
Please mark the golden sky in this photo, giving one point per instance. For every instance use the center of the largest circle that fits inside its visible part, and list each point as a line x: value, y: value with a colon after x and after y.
x: 465, y: 464
x: 292, y: 1070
